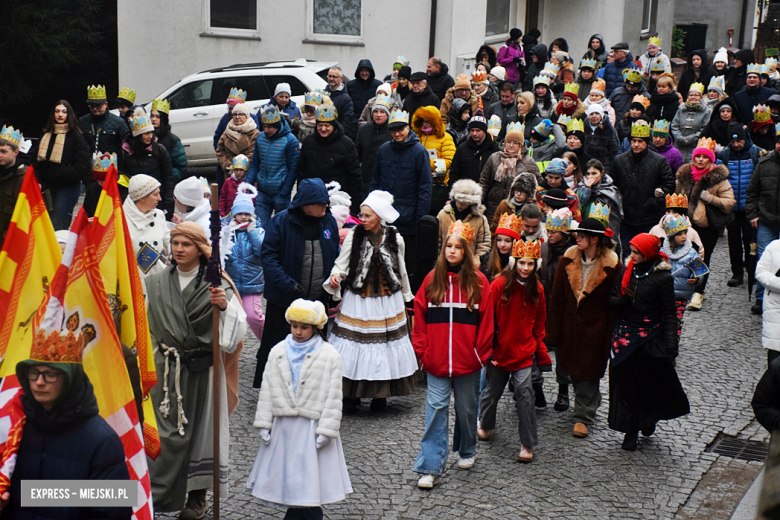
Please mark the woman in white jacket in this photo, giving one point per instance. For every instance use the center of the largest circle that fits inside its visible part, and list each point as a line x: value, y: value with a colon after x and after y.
x: 300, y: 463
x: 768, y: 275
x: 149, y: 233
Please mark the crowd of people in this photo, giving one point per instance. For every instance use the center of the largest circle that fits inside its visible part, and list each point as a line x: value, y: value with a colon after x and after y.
x: 457, y: 229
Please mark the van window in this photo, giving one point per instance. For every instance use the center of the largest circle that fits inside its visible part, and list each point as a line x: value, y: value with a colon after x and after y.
x: 195, y: 94
x: 297, y: 87
x: 254, y: 86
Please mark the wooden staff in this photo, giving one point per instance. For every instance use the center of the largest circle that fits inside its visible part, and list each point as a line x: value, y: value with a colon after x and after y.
x: 214, y: 276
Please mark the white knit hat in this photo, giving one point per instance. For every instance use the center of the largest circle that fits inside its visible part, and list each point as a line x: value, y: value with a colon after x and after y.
x: 189, y: 192
x: 722, y: 55
x: 596, y: 108
x: 141, y: 185
x: 307, y: 311
x: 499, y: 72
x: 62, y: 236
x: 381, y: 202
x: 283, y: 87
x: 241, y: 108
x: 386, y: 88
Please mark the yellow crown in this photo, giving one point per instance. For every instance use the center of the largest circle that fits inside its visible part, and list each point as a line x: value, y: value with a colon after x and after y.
x: 541, y: 80
x: 11, y: 136
x: 654, y: 40
x: 571, y: 88
x: 127, y: 94
x: 642, y: 100
x: 661, y: 127
x: 633, y: 76
x: 479, y: 76
x: 56, y: 348
x: 706, y: 142
x: 676, y: 200
x: 463, y: 230
x: 161, y: 105
x: 640, y: 128
x: 575, y: 125
x: 510, y: 222
x: 530, y: 249
x: 697, y: 87
x: 754, y: 68
x: 399, y: 116
x: 761, y: 114
x: 600, y: 212
x: 236, y: 93
x: 96, y: 93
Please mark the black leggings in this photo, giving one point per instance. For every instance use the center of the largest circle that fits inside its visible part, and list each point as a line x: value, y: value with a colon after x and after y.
x: 709, y: 238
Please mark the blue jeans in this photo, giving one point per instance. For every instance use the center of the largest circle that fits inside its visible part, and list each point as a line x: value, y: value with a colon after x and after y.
x: 265, y: 205
x: 764, y: 236
x: 434, y: 446
x: 63, y: 199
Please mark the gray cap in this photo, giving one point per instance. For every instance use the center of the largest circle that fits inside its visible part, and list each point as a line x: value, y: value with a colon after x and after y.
x: 622, y: 46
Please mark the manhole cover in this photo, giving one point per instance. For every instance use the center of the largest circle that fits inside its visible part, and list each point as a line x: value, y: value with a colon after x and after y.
x: 736, y: 448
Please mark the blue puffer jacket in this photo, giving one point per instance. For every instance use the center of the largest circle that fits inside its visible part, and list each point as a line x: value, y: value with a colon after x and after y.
x: 243, y: 264
x: 275, y: 162
x: 741, y: 166
x: 291, y: 110
x: 284, y: 244
x: 686, y: 254
x: 222, y: 126
x: 613, y: 74
x: 404, y: 169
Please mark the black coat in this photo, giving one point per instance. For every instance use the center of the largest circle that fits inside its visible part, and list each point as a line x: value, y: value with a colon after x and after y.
x: 663, y: 106
x: 637, y: 177
x: 425, y: 98
x: 601, y: 143
x: 440, y: 82
x: 158, y: 167
x: 688, y: 77
x: 737, y: 77
x: 763, y: 193
x: 529, y: 120
x: 369, y: 138
x: 74, y: 167
x: 346, y: 111
x: 333, y: 158
x: 766, y: 398
x: 540, y: 51
x: 361, y: 90
x: 470, y: 158
x: 717, y: 128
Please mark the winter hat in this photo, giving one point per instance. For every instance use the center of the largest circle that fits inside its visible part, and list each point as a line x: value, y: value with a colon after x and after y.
x: 556, y: 198
x: 534, y: 33
x: 515, y: 132
x: 243, y: 201
x: 773, y: 101
x: 62, y: 236
x: 557, y: 167
x: 722, y: 56
x: 307, y: 311
x: 189, y: 192
x: 494, y: 125
x: 140, y: 122
x: 595, y: 108
x: 542, y: 131
x: 737, y: 132
x: 499, y: 72
x: 466, y: 191
x: 405, y: 72
x: 515, y: 34
x: 561, y: 56
x: 599, y: 86
x: 141, y: 185
x: 705, y: 146
x: 341, y: 214
x: 282, y: 87
x: 526, y: 183
x: 381, y: 202
x: 386, y: 88
x: 241, y: 108
x: 478, y: 121
x: 337, y: 196
x: 462, y: 82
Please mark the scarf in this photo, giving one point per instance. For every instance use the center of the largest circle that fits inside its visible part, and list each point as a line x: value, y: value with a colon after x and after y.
x: 309, y: 120
x: 508, y: 162
x: 560, y: 109
x: 650, y: 247
x: 698, y: 174
x: 59, y: 144
x: 693, y: 106
x: 235, y: 131
x: 296, y: 355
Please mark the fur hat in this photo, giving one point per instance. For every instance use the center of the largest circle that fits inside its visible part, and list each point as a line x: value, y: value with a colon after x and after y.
x: 141, y: 185
x: 466, y: 191
x: 526, y: 183
x: 307, y: 311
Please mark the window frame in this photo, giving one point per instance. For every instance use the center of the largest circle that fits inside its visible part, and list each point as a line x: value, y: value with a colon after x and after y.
x: 501, y: 36
x: 651, y: 4
x: 227, y: 32
x: 348, y: 39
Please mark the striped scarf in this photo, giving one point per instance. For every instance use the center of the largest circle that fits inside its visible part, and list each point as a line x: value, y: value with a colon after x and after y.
x: 59, y: 143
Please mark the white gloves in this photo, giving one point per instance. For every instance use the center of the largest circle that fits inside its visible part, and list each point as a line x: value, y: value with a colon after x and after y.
x: 265, y: 434
x: 322, y: 440
x: 659, y: 192
x: 706, y: 196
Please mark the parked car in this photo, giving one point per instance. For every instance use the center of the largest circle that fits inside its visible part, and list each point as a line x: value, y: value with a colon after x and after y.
x: 198, y: 101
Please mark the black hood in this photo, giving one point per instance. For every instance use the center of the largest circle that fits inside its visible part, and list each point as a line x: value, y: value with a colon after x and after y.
x: 540, y: 51
x: 562, y: 44
x: 746, y: 56
x: 491, y: 54
x: 600, y: 38
x: 700, y: 53
x: 365, y: 64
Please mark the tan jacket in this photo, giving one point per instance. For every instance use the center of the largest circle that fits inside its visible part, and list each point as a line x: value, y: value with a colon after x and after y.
x: 475, y: 219
x: 715, y: 183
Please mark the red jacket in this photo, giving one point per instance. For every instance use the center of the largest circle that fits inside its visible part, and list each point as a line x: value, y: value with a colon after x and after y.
x: 450, y: 340
x: 519, y: 328
x: 228, y: 194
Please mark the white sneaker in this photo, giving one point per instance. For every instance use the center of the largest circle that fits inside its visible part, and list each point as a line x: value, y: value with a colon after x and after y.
x: 695, y: 303
x: 466, y: 463
x: 427, y: 481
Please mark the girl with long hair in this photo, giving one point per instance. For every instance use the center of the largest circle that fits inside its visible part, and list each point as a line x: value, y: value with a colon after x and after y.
x: 509, y: 228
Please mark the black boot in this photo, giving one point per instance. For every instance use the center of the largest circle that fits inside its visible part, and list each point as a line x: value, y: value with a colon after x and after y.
x: 562, y: 402
x: 647, y: 432
x: 736, y: 280
x: 378, y: 404
x: 539, y: 399
x: 758, y: 307
x: 349, y: 404
x: 630, y: 440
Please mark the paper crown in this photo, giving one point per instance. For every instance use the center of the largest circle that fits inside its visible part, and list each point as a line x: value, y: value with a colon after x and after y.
x: 761, y: 114
x: 588, y: 64
x: 101, y: 162
x: 530, y: 249
x: 673, y: 224
x: 777, y: 129
x: 161, y: 105
x: 13, y: 137
x: 127, y: 94
x: 764, y: 69
x: 510, y: 225
x: 599, y: 85
x: 657, y: 65
x: 640, y: 128
x: 564, y: 120
x: 559, y: 220
x: 676, y: 200
x: 403, y: 61
x: 479, y: 76
x: 771, y: 63
x: 544, y: 128
x: 551, y: 67
x: 696, y: 87
x: 717, y: 82
x: 654, y: 40
x: 56, y: 348
x: 141, y: 124
x: 600, y: 212
x: 754, y: 68
x: 516, y: 128
x: 571, y: 88
x: 238, y: 94
x: 270, y: 116
x: 384, y: 101
x: 575, y: 125
x: 463, y: 230
x: 633, y: 76
x: 642, y: 100
x: 240, y: 162
x: 96, y: 93
x: 661, y: 128
x: 326, y: 113
x: 494, y: 123
x: 313, y: 98
x: 399, y: 116
x: 542, y: 80
x: 706, y: 142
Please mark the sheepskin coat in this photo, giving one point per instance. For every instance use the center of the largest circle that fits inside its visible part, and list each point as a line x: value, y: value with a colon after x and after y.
x: 716, y: 182
x: 477, y: 221
x: 319, y: 390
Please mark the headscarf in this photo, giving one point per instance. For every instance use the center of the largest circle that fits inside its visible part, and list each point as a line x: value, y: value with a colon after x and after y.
x: 650, y: 247
x: 194, y: 232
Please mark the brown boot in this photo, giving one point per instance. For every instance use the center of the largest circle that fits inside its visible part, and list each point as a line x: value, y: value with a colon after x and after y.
x: 580, y: 430
x: 197, y: 506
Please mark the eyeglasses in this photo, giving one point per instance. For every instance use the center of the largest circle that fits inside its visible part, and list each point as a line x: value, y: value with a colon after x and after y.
x: 49, y: 377
x: 236, y: 116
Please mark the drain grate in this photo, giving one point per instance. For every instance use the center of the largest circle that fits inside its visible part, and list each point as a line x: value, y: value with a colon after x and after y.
x: 742, y: 449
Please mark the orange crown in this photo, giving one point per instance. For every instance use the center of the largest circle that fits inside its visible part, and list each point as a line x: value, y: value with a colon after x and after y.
x: 510, y: 225
x: 463, y: 230
x: 530, y: 249
x: 677, y: 200
x: 56, y: 348
x: 479, y: 76
x: 706, y: 142
x: 639, y: 98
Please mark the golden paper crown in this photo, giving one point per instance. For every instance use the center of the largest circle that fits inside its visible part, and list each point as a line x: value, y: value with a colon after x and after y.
x: 13, y: 137
x: 101, y: 162
x: 127, y: 94
x: 640, y: 128
x: 676, y: 200
x: 479, y: 76
x: 161, y: 105
x: 600, y: 212
x: 530, y: 249
x: 654, y: 40
x: 541, y: 80
x: 236, y: 93
x: 510, y: 222
x: 696, y: 87
x: 56, y: 348
x: 771, y: 63
x: 575, y: 125
x: 573, y: 88
x: 633, y: 76
x: 517, y: 128
x: 463, y: 230
x: 599, y: 85
x: 326, y: 113
x: 706, y: 142
x: 754, y: 68
x: 141, y: 123
x: 642, y: 100
x: 761, y: 114
x: 96, y: 93
x: 661, y: 127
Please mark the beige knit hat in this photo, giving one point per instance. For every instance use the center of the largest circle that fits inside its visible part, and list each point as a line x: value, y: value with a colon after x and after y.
x: 141, y: 185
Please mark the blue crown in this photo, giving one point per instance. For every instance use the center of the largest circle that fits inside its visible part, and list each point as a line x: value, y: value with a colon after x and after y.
x: 559, y: 220
x: 271, y: 116
x: 236, y: 93
x: 515, y: 127
x: 673, y: 224
x: 599, y: 212
x: 588, y: 64
x: 326, y: 113
x: 313, y: 98
x: 101, y: 162
x: 399, y: 116
x: 240, y: 162
x: 141, y: 124
x: 382, y: 100
x: 11, y: 136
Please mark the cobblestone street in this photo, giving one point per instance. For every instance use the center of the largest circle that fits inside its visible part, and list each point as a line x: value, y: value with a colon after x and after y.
x: 720, y: 360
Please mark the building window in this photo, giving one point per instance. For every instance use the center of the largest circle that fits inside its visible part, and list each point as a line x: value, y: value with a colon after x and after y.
x: 337, y: 17
x: 497, y: 20
x: 647, y: 16
x: 231, y: 19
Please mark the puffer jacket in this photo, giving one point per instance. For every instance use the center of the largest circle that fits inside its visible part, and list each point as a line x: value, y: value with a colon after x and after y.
x: 275, y: 162
x: 319, y: 399
x: 601, y: 142
x: 637, y: 177
x: 438, y: 140
x: 764, y: 401
x: 243, y: 264
x: 457, y: 127
x: 613, y: 74
x: 672, y: 154
x: 440, y: 82
x: 534, y: 68
x: 361, y: 90
x: 346, y: 110
x: 506, y: 58
x: 290, y: 110
x: 470, y: 159
x: 687, y: 126
x: 741, y: 166
x: 680, y: 274
x: 496, y: 190
x: 766, y: 274
x: 404, y: 170
x: 551, y: 148
x: 104, y: 133
x: 369, y: 138
x: 716, y: 182
x: 449, y: 339
x: 172, y: 143
x: 621, y: 99
x: 447, y: 102
x: 763, y: 193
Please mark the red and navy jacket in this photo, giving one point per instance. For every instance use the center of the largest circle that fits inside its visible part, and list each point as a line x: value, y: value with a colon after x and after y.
x: 449, y: 339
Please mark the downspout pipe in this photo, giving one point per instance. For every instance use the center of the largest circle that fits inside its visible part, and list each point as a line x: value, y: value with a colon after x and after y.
x: 741, y: 24
x: 432, y: 35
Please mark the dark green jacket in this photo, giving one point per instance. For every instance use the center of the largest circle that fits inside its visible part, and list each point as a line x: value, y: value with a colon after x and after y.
x: 104, y: 133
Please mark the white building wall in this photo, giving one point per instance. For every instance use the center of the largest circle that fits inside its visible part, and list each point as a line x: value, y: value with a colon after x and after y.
x: 578, y: 21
